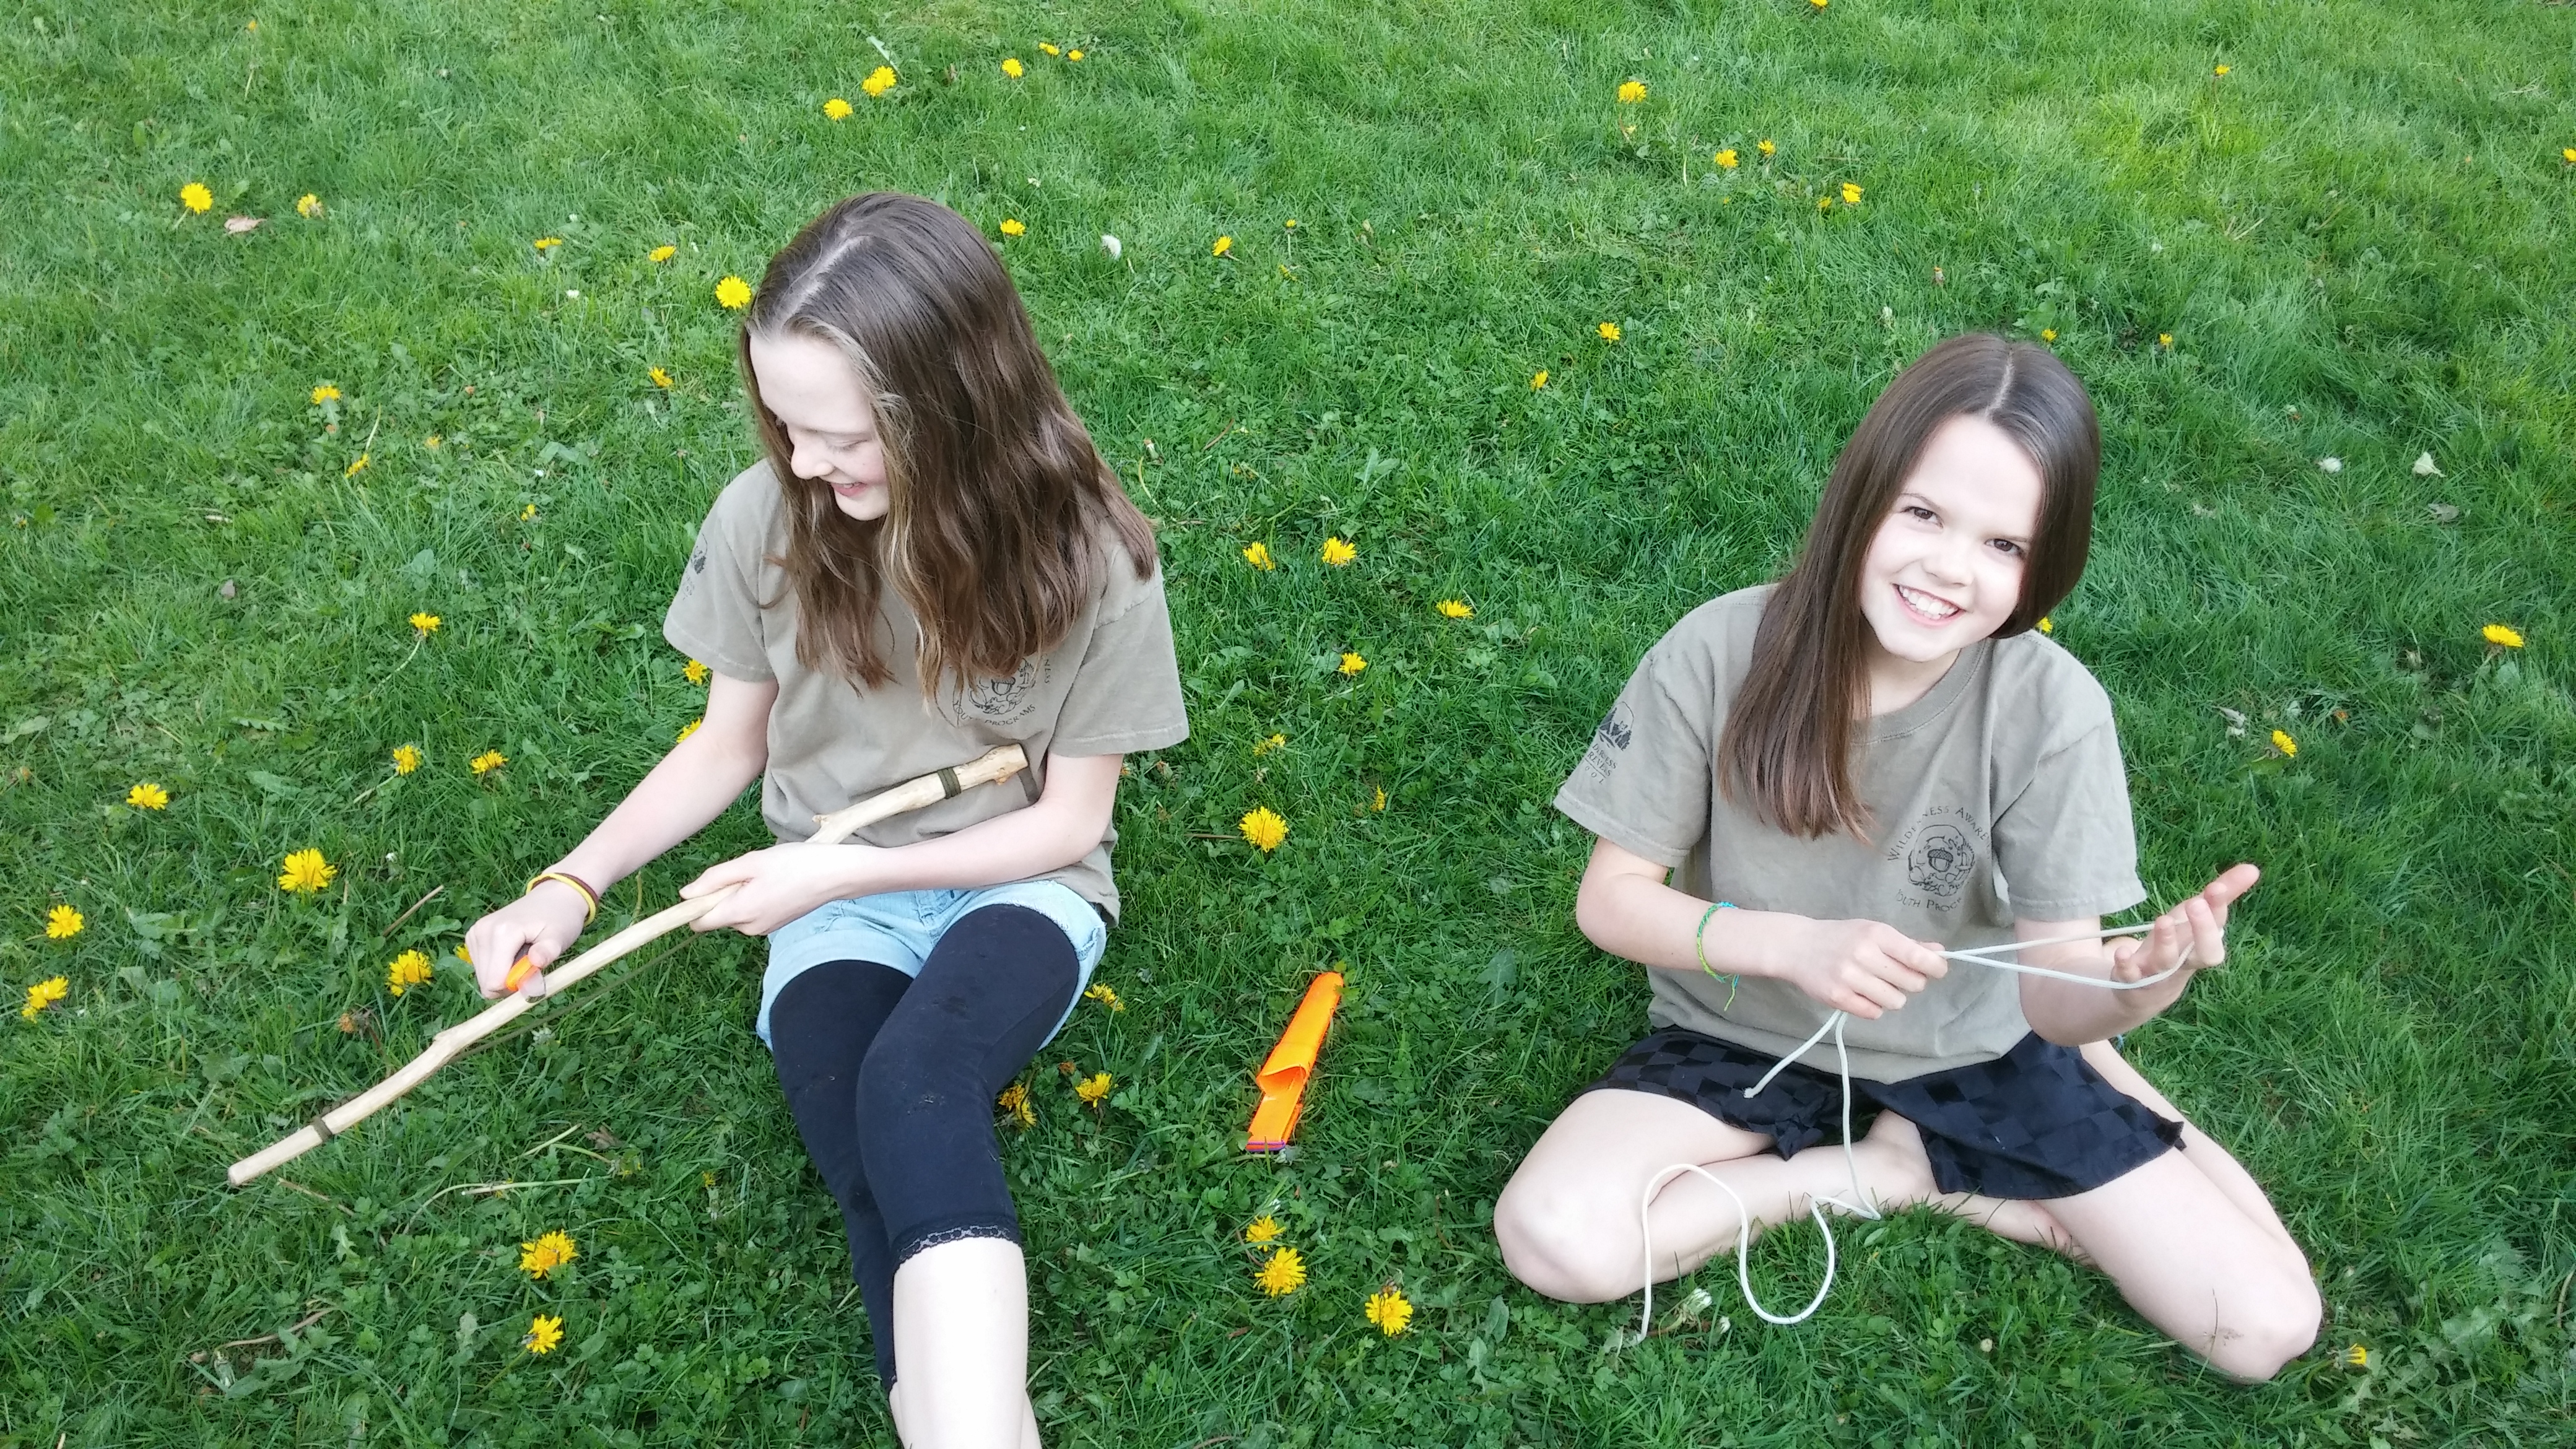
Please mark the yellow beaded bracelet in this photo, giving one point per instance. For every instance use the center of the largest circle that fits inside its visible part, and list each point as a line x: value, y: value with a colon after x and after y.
x: 589, y: 897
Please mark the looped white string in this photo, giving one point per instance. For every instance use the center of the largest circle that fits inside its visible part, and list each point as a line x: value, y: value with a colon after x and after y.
x: 1857, y: 1205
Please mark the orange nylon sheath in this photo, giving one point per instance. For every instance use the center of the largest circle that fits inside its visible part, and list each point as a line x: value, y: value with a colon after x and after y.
x: 1284, y: 1075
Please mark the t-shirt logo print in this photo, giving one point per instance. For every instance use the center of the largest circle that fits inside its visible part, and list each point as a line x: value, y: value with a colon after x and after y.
x: 1941, y: 861
x: 1615, y: 729
x: 1003, y: 699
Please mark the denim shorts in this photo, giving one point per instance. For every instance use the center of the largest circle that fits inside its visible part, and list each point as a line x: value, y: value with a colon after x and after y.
x: 898, y: 929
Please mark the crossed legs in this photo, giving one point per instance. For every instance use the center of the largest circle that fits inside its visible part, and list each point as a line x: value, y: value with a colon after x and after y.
x: 2189, y: 1238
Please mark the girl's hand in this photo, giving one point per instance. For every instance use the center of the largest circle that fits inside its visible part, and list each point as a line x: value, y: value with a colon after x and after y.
x: 1867, y: 968
x: 779, y: 884
x: 2192, y: 935
x: 540, y: 924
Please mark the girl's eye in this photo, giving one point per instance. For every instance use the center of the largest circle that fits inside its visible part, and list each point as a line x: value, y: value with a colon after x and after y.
x: 2009, y: 548
x: 1917, y: 510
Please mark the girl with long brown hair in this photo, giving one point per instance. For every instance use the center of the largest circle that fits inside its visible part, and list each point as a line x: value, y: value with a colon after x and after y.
x: 929, y: 560
x: 1805, y: 790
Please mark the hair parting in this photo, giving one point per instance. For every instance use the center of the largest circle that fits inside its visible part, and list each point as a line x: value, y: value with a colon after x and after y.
x: 999, y: 503
x: 1787, y: 747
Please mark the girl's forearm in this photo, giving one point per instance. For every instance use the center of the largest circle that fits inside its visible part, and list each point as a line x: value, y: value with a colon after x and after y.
x: 1653, y: 924
x: 1018, y: 846
x: 690, y: 787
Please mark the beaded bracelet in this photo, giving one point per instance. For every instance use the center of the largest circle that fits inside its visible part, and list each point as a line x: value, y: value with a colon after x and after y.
x: 589, y: 897
x: 1699, y: 942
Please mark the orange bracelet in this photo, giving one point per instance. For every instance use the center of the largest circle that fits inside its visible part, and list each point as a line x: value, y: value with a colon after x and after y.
x: 589, y: 897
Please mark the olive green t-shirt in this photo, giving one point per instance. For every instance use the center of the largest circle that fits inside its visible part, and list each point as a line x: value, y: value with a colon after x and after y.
x: 1111, y: 686
x: 1998, y: 794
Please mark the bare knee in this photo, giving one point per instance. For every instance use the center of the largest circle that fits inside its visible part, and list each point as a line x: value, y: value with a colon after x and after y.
x: 1565, y: 1244
x: 2256, y: 1340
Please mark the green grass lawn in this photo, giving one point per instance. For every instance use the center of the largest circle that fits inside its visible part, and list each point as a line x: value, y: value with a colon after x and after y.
x: 2356, y: 239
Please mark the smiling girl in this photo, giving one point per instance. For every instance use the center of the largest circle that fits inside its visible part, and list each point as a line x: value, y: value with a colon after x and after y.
x: 1805, y: 790
x: 930, y: 560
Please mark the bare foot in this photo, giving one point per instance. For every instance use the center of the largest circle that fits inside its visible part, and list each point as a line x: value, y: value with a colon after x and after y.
x: 2021, y: 1221
x: 1894, y: 1172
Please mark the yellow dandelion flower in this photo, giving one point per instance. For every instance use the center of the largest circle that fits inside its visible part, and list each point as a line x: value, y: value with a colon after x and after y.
x: 1351, y: 663
x: 1538, y: 379
x: 148, y: 796
x: 63, y: 922
x: 431, y: 442
x: 1454, y: 609
x: 1851, y: 194
x: 2358, y: 1356
x: 425, y: 624
x: 694, y: 672
x: 1101, y: 992
x: 1726, y: 158
x: 1014, y: 1103
x: 1283, y: 1273
x: 325, y: 393
x: 1264, y: 827
x: 1073, y: 55
x: 2048, y: 334
x: 543, y: 1334
x: 527, y: 512
x: 548, y: 243
x: 1631, y: 92
x: 2045, y: 626
x: 879, y: 81
x: 406, y: 971
x: 1387, y: 1307
x: 308, y: 205
x: 1765, y: 147
x: 43, y: 994
x: 2221, y: 70
x: 1094, y: 1087
x: 662, y: 253
x: 1258, y: 555
x: 306, y: 873
x: 406, y: 759
x: 354, y: 469
x: 488, y: 761
x: 837, y: 109
x: 1013, y: 226
x: 1820, y: 4
x: 687, y: 730
x: 1824, y: 203
x: 1049, y: 49
x: 1275, y: 742
x: 660, y: 378
x: 2281, y: 741
x: 1339, y: 553
x: 2503, y: 636
x: 2165, y: 341
x: 1011, y: 67
x: 550, y: 1251
x: 2569, y: 153
x: 733, y: 293
x: 1262, y: 1229
x: 1609, y: 331
x: 196, y: 197
x: 1380, y: 805
x: 1223, y: 245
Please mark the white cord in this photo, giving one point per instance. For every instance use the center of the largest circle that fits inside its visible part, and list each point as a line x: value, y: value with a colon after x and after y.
x: 1857, y: 1206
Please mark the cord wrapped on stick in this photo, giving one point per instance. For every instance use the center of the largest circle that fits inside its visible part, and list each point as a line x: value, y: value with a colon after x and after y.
x: 993, y: 766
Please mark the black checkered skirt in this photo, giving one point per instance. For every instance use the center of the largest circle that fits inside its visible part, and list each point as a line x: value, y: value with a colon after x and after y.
x: 2036, y: 1122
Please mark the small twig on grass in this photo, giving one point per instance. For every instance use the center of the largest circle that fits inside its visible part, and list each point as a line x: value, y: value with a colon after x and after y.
x: 288, y: 1182
x: 549, y: 1142
x: 1204, y: 835
x: 1220, y: 436
x: 310, y: 1319
x: 487, y: 1189
x: 416, y: 905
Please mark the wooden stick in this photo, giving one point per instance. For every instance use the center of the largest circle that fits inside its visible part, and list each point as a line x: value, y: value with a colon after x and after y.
x: 996, y: 765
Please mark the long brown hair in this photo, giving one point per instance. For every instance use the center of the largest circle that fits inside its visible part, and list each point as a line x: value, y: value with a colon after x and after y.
x: 1787, y: 745
x: 997, y: 494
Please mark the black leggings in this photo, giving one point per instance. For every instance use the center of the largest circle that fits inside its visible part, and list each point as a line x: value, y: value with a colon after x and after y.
x: 891, y: 1080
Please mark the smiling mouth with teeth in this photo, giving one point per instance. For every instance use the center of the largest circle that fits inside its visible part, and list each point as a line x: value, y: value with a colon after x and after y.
x: 1926, y: 605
